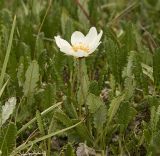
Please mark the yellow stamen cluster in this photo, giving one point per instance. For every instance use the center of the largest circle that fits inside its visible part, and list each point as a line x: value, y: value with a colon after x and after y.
x: 80, y: 47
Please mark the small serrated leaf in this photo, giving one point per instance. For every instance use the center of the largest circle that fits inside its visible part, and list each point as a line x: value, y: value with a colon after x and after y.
x: 156, y: 67
x: 125, y: 114
x: 40, y: 122
x: 63, y: 118
x: 8, y: 139
x: 115, y: 103
x: 20, y: 74
x: 94, y: 103
x: 32, y: 77
x: 69, y: 150
x: 100, y: 117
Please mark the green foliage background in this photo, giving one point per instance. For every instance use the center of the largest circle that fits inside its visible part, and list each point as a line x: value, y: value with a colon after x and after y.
x: 115, y: 100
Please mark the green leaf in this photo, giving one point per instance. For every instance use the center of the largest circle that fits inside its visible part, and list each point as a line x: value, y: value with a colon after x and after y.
x: 129, y: 87
x: 69, y: 150
x: 125, y: 114
x: 32, y: 77
x: 129, y: 67
x: 8, y: 139
x: 94, y: 88
x: 139, y: 73
x: 20, y: 74
x: 66, y: 23
x: 148, y: 71
x: 155, y: 118
x: 147, y: 135
x: 41, y: 127
x: 100, y: 117
x: 114, y: 106
x: 113, y: 51
x: 40, y: 123
x: 48, y: 96
x: 93, y: 102
x: 63, y: 118
x: 156, y: 68
x: 70, y: 109
x: 155, y: 143
x: 81, y: 15
x: 129, y: 40
x: 129, y: 82
x: 84, y: 134
x: 81, y: 132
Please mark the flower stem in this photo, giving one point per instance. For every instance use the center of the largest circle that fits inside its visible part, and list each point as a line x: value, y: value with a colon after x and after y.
x: 82, y: 84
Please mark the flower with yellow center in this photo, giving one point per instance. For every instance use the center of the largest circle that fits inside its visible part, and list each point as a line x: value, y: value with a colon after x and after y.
x: 81, y: 46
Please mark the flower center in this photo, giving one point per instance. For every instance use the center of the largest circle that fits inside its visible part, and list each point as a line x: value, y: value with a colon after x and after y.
x: 80, y: 47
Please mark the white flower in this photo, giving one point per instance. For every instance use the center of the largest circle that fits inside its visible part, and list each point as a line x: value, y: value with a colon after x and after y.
x: 81, y: 46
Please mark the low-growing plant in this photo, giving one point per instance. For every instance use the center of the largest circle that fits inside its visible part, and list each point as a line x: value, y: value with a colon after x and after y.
x: 66, y: 93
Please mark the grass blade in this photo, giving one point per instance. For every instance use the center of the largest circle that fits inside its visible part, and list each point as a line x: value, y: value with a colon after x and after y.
x: 7, y: 53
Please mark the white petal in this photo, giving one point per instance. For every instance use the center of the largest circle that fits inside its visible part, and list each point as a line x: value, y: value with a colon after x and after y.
x: 93, y: 45
x: 92, y: 34
x: 94, y: 48
x: 99, y: 36
x: 61, y: 42
x: 77, y: 37
x: 64, y: 46
x: 67, y: 50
